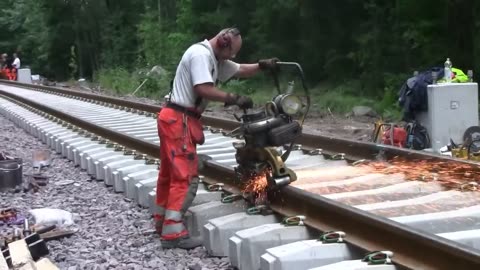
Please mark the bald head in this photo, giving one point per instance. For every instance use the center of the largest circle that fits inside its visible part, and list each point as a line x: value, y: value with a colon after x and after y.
x: 227, y: 43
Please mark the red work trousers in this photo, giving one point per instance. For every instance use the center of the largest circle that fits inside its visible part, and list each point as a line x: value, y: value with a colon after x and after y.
x: 178, y: 176
x: 10, y: 73
x: 13, y: 74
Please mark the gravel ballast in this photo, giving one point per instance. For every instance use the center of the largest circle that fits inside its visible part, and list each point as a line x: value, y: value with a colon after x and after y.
x: 110, y: 232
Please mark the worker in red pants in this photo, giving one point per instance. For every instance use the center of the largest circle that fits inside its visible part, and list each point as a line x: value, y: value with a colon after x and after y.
x: 180, y: 128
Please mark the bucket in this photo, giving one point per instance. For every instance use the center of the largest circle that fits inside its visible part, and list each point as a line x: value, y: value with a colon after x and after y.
x: 11, y: 175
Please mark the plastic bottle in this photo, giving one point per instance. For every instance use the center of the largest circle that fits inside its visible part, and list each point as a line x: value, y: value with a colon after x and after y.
x: 470, y: 75
x: 410, y: 141
x: 448, y: 71
x: 290, y: 87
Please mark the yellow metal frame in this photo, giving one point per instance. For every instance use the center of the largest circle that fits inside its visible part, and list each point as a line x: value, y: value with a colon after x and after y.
x: 274, y: 158
x: 462, y: 153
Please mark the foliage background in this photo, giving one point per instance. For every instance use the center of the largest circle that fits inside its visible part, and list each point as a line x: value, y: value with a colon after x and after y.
x: 353, y: 52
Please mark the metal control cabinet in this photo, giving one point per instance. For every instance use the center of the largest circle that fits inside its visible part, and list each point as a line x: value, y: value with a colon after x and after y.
x: 24, y: 75
x: 452, y: 108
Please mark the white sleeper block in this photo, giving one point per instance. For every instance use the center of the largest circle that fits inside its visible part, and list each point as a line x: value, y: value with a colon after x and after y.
x: 67, y: 142
x: 142, y: 189
x: 118, y: 175
x: 79, y: 151
x: 204, y: 196
x: 132, y: 179
x: 199, y: 215
x: 85, y: 156
x: 101, y: 163
x: 305, y: 254
x: 71, y: 148
x: 246, y: 246
x: 218, y: 230
x: 113, y: 165
x: 108, y: 152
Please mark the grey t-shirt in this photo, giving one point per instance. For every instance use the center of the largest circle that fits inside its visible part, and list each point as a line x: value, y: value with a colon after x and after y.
x: 197, y: 66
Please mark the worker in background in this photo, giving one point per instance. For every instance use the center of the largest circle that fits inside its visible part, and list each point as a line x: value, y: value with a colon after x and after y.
x: 3, y: 60
x: 3, y: 63
x: 180, y: 128
x: 16, y: 61
x: 9, y: 70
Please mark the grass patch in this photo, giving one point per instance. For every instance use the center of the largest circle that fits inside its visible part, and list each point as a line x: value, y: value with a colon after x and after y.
x: 341, y: 98
x: 338, y: 98
x: 117, y: 80
x: 123, y: 82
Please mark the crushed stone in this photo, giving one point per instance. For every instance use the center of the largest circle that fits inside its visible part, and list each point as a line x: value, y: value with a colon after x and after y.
x: 109, y: 230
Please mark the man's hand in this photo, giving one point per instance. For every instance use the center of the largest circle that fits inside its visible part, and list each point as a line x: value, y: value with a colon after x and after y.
x: 243, y: 102
x: 268, y: 64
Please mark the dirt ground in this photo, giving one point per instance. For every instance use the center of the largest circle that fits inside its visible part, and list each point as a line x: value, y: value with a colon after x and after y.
x: 349, y: 127
x: 342, y: 126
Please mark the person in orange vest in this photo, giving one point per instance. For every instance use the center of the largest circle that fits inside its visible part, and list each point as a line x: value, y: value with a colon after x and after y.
x: 3, y: 60
x: 180, y: 128
x: 13, y: 74
x: 3, y: 66
x: 16, y: 61
x: 15, y: 66
x: 9, y: 70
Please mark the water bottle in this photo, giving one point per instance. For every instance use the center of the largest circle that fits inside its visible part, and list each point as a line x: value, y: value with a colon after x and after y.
x: 470, y: 75
x: 290, y: 87
x: 410, y: 141
x: 448, y: 71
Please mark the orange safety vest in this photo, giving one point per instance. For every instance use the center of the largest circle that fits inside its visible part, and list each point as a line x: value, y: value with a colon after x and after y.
x: 6, y: 71
x: 11, y: 74
x: 3, y: 74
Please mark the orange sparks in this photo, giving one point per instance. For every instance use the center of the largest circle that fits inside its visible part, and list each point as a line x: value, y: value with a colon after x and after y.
x: 257, y: 187
x: 257, y: 184
x: 448, y: 173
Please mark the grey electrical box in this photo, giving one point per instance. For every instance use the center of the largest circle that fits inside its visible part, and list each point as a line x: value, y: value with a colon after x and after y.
x: 24, y: 75
x: 452, y: 108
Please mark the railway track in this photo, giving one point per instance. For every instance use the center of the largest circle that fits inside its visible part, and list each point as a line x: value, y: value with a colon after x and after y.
x: 425, y: 224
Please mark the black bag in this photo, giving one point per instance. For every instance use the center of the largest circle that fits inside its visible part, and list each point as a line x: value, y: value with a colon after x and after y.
x: 417, y: 136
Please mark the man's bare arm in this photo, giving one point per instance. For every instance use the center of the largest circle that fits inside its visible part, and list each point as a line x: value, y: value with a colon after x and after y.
x: 210, y: 92
x: 247, y: 70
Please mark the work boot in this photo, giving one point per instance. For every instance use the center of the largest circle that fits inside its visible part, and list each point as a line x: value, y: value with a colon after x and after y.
x: 185, y: 242
x: 158, y: 223
x: 159, y: 227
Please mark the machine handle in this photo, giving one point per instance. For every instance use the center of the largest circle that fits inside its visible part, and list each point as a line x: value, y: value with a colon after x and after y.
x: 307, y: 94
x: 300, y: 72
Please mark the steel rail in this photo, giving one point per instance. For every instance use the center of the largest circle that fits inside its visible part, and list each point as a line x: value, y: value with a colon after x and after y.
x: 412, y: 248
